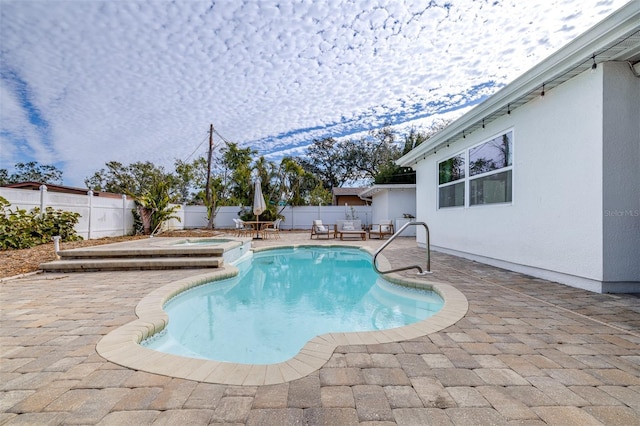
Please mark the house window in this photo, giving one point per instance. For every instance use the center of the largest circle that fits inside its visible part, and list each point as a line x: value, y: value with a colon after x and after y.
x: 488, y: 174
x: 451, y: 181
x: 495, y: 188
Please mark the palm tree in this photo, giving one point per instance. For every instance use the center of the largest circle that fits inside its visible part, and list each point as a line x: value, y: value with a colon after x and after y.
x: 154, y: 205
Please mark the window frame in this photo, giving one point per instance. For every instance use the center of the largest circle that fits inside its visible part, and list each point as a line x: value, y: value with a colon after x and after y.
x: 462, y: 180
x: 468, y: 178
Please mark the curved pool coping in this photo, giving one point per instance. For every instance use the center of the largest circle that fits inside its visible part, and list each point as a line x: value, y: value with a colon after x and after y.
x: 122, y: 345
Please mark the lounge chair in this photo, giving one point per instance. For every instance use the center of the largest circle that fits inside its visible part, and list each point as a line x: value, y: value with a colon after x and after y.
x: 379, y: 230
x: 351, y: 228
x: 318, y: 229
x: 272, y: 229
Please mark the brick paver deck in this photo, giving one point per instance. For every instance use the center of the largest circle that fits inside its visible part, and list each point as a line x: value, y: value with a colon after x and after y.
x: 527, y: 352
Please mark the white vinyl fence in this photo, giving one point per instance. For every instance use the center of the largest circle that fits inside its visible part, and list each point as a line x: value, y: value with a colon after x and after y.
x: 294, y: 217
x: 110, y: 217
x: 99, y: 216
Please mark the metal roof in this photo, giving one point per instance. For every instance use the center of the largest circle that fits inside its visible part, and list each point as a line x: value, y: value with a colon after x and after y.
x: 616, y: 38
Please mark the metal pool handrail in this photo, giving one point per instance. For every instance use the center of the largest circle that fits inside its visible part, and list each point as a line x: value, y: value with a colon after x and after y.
x: 421, y: 272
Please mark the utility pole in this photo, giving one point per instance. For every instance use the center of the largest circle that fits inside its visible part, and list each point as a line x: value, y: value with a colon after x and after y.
x: 208, y: 197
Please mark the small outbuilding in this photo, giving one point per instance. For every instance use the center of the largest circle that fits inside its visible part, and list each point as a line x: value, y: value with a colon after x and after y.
x: 395, y: 202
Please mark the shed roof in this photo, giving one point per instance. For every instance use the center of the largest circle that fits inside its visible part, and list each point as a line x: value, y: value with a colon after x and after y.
x: 346, y: 191
x: 371, y: 191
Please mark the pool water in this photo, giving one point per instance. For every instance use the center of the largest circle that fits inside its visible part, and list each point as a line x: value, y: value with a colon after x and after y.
x: 283, y: 298
x: 202, y: 242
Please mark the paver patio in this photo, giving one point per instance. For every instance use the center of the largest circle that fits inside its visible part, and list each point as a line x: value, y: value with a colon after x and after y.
x: 528, y: 352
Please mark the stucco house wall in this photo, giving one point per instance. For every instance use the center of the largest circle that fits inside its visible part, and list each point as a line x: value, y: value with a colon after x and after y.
x: 574, y: 216
x: 555, y: 220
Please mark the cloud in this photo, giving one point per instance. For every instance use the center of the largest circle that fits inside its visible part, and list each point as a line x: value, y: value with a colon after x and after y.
x: 141, y: 81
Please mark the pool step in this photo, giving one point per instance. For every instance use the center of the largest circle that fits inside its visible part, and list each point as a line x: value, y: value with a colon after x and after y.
x: 130, y: 264
x: 145, y: 254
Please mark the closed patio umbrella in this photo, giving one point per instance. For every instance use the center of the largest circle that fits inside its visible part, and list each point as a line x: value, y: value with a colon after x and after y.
x: 259, y: 205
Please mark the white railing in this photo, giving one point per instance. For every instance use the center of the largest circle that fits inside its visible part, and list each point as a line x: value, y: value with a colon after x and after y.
x: 404, y: 268
x: 108, y: 217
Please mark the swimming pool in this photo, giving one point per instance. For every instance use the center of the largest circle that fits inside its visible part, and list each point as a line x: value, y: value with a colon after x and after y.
x: 283, y: 298
x: 122, y: 346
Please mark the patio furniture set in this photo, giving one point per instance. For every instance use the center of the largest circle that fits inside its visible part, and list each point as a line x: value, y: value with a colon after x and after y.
x: 351, y: 228
x: 258, y: 229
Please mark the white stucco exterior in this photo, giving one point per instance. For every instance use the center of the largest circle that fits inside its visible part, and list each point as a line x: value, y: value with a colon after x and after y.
x: 392, y: 202
x: 555, y: 220
x: 575, y: 213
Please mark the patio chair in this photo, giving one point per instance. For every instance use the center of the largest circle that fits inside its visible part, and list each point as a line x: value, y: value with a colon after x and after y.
x: 318, y: 229
x: 242, y: 230
x: 379, y: 230
x: 272, y: 229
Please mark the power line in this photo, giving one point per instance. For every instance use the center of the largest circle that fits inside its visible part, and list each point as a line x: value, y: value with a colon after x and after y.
x: 198, y: 147
x: 221, y: 137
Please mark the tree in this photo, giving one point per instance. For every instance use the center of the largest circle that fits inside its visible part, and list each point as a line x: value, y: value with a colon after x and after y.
x: 390, y: 172
x: 236, y: 174
x: 190, y: 180
x: 324, y: 159
x: 414, y: 138
x: 367, y: 156
x: 32, y: 172
x: 293, y: 183
x: 4, y: 177
x: 154, y: 205
x: 149, y: 185
x: 132, y: 179
x: 267, y: 172
x: 319, y: 195
x: 352, y: 160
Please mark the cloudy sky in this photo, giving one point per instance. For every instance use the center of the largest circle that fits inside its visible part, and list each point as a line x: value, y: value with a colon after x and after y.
x: 86, y: 82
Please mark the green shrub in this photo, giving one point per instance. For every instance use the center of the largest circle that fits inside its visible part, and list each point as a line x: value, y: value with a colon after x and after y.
x: 21, y: 229
x: 138, y: 227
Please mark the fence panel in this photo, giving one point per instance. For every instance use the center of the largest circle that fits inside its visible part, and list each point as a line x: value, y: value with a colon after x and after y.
x: 303, y: 217
x: 111, y: 217
x: 99, y: 216
x: 294, y: 217
x: 21, y: 198
x: 108, y: 217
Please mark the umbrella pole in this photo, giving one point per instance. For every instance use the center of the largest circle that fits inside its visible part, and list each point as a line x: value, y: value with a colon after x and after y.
x: 257, y: 237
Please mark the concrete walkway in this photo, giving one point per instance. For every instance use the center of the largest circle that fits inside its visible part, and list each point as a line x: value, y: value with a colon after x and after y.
x: 527, y: 352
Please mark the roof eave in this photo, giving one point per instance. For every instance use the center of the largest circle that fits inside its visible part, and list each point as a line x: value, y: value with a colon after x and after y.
x: 371, y: 191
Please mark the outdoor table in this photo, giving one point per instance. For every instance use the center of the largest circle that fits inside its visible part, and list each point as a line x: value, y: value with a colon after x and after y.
x: 257, y: 226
